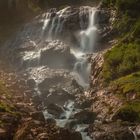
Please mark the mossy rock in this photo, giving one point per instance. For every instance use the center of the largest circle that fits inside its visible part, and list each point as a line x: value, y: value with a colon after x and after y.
x: 129, y: 112
x: 126, y: 85
x: 121, y: 60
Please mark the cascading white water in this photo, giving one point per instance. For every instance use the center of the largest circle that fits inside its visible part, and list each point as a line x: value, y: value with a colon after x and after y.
x: 56, y: 26
x: 88, y: 36
x: 87, y: 43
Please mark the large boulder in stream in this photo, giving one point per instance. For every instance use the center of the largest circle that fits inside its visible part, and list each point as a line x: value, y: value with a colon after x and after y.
x: 55, y: 110
x: 85, y: 116
x: 58, y: 96
x: 57, y: 55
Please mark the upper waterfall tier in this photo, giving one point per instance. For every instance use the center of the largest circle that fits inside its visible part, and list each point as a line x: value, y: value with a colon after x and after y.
x: 61, y: 23
x: 75, y: 26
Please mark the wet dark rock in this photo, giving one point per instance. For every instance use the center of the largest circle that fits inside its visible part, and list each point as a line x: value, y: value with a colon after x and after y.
x: 36, y: 100
x: 31, y: 83
x: 58, y: 96
x: 126, y: 115
x: 71, y: 124
x: 50, y: 121
x: 102, y: 17
x: 46, y: 84
x: 85, y: 116
x: 38, y: 116
x: 57, y: 55
x: 55, y: 110
x: 83, y: 102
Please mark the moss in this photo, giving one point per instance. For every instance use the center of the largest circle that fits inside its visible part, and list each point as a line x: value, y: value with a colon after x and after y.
x: 122, y: 5
x: 121, y: 60
x: 127, y: 85
x: 129, y: 112
x: 5, y: 107
x: 127, y: 21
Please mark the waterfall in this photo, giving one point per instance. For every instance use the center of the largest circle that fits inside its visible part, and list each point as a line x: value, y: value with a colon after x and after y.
x: 88, y: 36
x: 87, y: 42
x: 43, y: 38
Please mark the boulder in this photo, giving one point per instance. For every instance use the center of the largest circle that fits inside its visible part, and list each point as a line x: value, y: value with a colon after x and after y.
x: 49, y: 82
x: 38, y: 115
x: 57, y: 55
x: 58, y: 96
x: 31, y: 83
x: 55, y: 110
x: 50, y: 121
x: 85, y: 116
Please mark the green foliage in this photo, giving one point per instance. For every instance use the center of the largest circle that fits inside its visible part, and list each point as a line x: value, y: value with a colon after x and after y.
x: 121, y: 60
x: 127, y: 5
x: 123, y: 5
x: 4, y: 107
x: 129, y: 112
x: 108, y: 3
x: 128, y: 84
x: 136, y: 29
